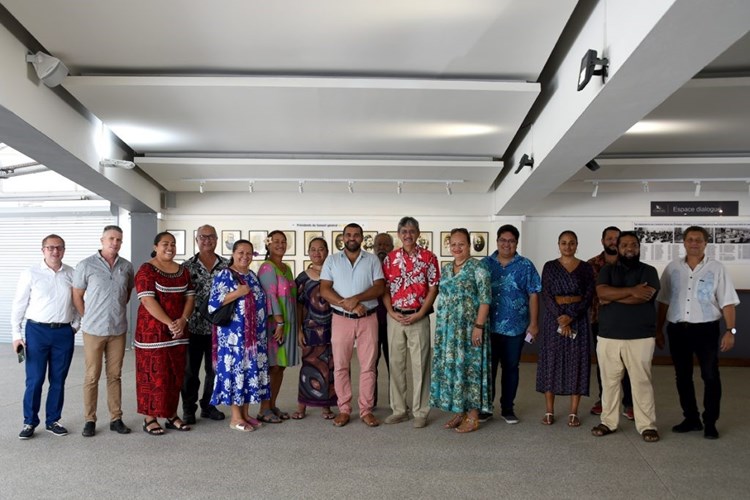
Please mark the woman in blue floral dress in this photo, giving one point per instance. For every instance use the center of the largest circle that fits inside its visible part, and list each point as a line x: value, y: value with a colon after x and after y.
x: 461, y: 359
x: 240, y: 348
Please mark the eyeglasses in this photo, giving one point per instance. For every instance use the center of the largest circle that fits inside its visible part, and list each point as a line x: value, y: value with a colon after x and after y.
x: 52, y: 248
x: 504, y: 241
x: 205, y: 237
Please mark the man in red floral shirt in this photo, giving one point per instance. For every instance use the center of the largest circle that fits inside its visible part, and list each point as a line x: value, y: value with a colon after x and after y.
x: 412, y: 276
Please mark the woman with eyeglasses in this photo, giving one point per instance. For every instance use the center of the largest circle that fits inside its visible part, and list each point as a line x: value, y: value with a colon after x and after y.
x: 461, y: 358
x: 281, y: 303
x: 161, y: 335
x: 564, y: 363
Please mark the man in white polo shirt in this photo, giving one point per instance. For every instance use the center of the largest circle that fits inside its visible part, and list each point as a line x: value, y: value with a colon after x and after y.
x: 695, y: 293
x: 351, y: 281
x: 101, y: 290
x: 43, y: 297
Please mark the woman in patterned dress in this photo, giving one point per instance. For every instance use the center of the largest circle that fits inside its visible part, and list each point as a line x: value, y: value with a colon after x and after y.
x: 281, y: 304
x: 461, y: 358
x: 314, y: 333
x: 564, y: 359
x: 240, y: 353
x: 161, y: 335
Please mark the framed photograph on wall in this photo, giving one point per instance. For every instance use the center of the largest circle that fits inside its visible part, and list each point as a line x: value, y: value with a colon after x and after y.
x: 291, y: 242
x: 445, y: 243
x: 306, y: 264
x: 228, y: 237
x: 292, y: 266
x: 479, y: 243
x: 195, y: 241
x: 179, y: 239
x: 368, y: 241
x: 425, y: 240
x: 396, y: 240
x: 258, y: 239
x: 444, y: 263
x: 309, y: 235
x: 337, y: 241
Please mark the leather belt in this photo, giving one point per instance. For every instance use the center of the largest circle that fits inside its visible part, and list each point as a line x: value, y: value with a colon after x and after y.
x: 353, y: 315
x: 568, y: 299
x: 48, y: 325
x: 406, y: 311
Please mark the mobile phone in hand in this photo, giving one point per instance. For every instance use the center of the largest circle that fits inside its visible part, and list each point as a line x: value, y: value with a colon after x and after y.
x: 21, y: 351
x: 529, y: 338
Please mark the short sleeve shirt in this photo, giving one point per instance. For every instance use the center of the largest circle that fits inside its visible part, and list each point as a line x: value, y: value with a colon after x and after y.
x: 512, y: 286
x: 202, y: 279
x: 106, y: 296
x: 409, y: 276
x: 628, y: 321
x: 350, y: 279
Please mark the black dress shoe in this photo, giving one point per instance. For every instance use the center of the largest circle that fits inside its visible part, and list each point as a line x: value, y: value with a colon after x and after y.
x: 89, y: 429
x: 710, y: 432
x: 212, y: 412
x: 687, y: 426
x: 188, y: 418
x: 119, y: 426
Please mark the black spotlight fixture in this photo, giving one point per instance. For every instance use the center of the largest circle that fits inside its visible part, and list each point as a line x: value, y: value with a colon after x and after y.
x: 526, y: 161
x: 593, y: 166
x: 589, y: 65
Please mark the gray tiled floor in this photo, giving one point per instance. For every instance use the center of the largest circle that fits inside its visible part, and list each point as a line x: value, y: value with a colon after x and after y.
x: 311, y: 459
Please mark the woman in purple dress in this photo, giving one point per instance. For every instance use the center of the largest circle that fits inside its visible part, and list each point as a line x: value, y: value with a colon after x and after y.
x: 564, y: 359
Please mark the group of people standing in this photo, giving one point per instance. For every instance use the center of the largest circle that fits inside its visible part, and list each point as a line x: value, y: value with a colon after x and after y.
x: 485, y: 311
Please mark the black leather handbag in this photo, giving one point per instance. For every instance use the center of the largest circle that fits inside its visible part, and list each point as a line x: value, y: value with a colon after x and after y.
x: 223, y: 315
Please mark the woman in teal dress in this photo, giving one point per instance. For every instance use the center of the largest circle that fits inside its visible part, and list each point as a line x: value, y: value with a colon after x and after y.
x: 281, y: 295
x: 461, y: 358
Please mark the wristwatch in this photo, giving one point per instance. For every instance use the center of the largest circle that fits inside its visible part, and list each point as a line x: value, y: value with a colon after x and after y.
x: 733, y: 330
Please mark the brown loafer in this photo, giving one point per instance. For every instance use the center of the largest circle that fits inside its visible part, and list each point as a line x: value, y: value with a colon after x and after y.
x: 341, y: 419
x: 370, y: 420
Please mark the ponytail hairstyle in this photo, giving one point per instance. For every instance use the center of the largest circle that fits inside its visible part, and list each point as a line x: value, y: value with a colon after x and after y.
x: 158, y: 238
x: 268, y: 240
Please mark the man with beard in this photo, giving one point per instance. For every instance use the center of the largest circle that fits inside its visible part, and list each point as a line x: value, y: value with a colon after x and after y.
x: 412, y: 276
x: 697, y: 292
x: 608, y: 256
x: 203, y: 266
x: 351, y: 281
x: 627, y: 326
x: 383, y: 246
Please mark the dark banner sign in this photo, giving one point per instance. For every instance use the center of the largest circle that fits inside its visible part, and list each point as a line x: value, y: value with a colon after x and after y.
x: 695, y: 208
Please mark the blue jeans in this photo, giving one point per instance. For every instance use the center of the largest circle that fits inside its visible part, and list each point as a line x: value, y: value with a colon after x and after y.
x: 46, y: 348
x: 506, y: 351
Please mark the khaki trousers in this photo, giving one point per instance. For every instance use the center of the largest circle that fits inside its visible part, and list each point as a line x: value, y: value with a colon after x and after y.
x: 112, y: 348
x: 415, y: 339
x: 615, y: 356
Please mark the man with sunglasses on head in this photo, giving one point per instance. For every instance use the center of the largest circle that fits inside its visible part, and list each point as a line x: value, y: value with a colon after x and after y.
x: 44, y: 298
x: 203, y: 266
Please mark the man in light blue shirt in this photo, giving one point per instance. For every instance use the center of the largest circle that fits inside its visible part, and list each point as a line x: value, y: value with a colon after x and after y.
x: 514, y: 312
x: 351, y: 281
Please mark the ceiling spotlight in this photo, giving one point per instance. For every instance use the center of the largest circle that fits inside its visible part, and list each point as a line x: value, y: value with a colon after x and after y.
x: 526, y: 161
x: 50, y: 70
x: 202, y: 187
x: 645, y: 186
x: 697, y: 188
x: 596, y: 190
x: 350, y: 186
x: 448, y: 188
x: 589, y: 64
x: 301, y: 187
x: 593, y: 166
x: 108, y: 162
x: 251, y: 186
x: 399, y: 185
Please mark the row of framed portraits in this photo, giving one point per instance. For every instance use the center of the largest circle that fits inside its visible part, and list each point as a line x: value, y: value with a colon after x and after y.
x: 479, y: 241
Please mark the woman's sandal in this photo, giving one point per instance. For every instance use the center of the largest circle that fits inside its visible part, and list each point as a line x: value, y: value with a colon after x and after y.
x: 299, y: 415
x: 241, y: 426
x: 254, y: 422
x: 153, y: 431
x: 549, y: 419
x: 268, y: 417
x: 281, y: 414
x: 468, y: 425
x: 601, y: 430
x: 454, y: 422
x: 573, y: 420
x: 327, y: 414
x: 176, y: 424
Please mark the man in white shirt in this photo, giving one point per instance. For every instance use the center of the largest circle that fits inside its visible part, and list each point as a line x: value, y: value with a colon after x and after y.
x: 102, y: 284
x: 695, y: 293
x: 351, y: 281
x: 44, y: 298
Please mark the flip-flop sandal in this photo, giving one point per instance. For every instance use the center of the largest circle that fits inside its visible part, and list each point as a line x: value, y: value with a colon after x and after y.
x: 254, y: 422
x: 281, y: 414
x: 242, y: 427
x: 268, y: 417
x: 573, y: 420
x: 298, y: 415
x: 327, y: 414
x: 549, y: 419
x: 602, y: 430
